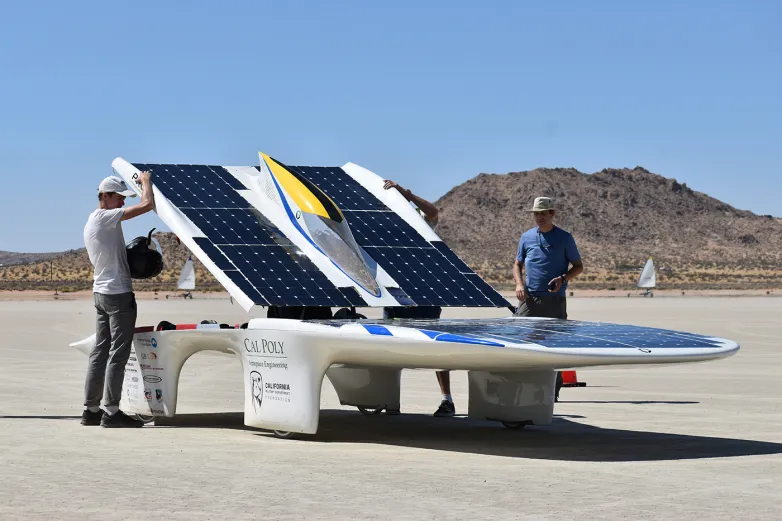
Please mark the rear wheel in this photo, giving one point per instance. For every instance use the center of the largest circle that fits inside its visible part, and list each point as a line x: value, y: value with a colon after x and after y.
x: 370, y: 411
x: 285, y: 435
x: 514, y: 425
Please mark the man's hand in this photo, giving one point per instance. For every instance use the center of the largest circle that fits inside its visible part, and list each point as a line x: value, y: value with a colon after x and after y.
x: 554, y: 284
x: 143, y: 177
x: 388, y: 184
x: 147, y: 201
x: 521, y: 293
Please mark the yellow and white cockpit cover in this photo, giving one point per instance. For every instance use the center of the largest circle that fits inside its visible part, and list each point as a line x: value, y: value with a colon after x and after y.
x: 313, y: 214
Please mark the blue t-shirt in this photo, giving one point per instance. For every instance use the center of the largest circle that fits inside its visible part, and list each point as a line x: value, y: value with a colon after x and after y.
x: 545, y: 256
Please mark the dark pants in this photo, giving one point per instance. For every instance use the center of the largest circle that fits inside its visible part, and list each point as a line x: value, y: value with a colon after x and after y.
x: 548, y: 306
x: 419, y: 312
x: 299, y: 312
x: 114, y: 329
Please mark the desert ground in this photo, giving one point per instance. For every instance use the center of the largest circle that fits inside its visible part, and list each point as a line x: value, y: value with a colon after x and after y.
x: 675, y: 442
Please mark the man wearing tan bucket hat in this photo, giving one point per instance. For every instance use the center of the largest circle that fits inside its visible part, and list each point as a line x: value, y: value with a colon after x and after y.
x: 549, y: 258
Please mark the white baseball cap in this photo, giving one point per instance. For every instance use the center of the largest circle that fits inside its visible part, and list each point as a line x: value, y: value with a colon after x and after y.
x: 117, y: 185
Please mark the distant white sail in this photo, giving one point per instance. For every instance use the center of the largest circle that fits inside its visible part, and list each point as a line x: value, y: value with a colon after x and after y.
x: 187, y: 277
x: 648, y: 278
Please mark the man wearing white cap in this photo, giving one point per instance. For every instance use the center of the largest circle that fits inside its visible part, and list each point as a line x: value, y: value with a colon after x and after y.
x: 114, y: 300
x: 550, y: 258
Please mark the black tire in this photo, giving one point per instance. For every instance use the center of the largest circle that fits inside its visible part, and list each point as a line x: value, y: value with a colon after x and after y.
x: 146, y: 419
x: 370, y: 411
x: 514, y: 425
x: 284, y: 435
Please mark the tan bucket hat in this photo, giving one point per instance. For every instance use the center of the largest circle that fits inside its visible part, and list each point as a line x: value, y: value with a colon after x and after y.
x: 542, y: 204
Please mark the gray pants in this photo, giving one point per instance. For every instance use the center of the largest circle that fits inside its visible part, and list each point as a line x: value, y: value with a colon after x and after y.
x: 114, y: 329
x: 549, y: 306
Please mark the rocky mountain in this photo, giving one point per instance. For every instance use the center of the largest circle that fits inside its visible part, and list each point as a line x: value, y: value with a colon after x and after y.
x: 9, y: 258
x: 618, y: 217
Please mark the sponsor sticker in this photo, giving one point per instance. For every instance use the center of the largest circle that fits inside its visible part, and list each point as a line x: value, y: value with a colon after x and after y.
x: 277, y: 391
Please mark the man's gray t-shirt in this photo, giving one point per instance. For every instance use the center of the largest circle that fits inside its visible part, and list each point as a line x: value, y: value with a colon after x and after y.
x: 105, y: 245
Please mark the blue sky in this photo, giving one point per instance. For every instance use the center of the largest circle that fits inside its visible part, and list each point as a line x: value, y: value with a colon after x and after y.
x: 427, y: 93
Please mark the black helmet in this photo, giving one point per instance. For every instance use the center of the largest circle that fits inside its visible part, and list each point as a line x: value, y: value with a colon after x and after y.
x: 144, y: 262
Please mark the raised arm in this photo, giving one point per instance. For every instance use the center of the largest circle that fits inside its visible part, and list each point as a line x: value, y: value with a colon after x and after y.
x: 147, y: 201
x: 430, y: 211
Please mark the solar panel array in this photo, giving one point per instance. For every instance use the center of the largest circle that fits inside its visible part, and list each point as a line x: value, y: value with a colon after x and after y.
x: 240, y: 244
x: 565, y: 334
x: 269, y: 269
x: 430, y: 274
x: 555, y: 333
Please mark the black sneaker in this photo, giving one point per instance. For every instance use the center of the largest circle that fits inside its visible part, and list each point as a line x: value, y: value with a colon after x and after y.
x: 91, y: 418
x: 120, y: 419
x: 446, y: 409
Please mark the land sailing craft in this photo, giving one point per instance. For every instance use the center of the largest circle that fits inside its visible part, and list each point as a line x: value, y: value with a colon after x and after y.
x: 186, y: 279
x: 648, y: 278
x: 332, y: 236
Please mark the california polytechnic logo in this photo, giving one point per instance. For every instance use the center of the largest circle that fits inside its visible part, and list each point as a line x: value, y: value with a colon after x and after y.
x: 257, y: 389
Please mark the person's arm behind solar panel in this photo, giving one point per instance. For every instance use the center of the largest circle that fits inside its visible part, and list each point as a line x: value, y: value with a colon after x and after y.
x: 430, y: 211
x: 147, y: 201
